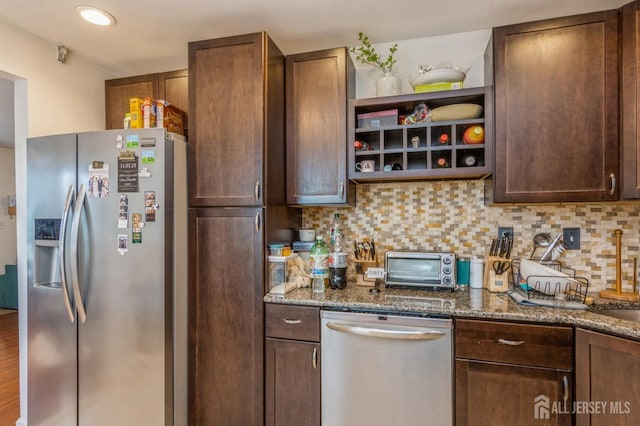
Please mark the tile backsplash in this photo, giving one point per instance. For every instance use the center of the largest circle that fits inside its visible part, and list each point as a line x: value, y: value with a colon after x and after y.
x: 452, y: 216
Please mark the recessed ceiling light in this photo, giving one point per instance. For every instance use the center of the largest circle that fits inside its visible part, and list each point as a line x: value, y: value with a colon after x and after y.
x: 95, y: 15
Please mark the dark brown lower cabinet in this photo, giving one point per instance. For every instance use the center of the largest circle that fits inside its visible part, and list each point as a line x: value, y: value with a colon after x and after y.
x: 292, y: 383
x: 607, y: 380
x: 513, y: 374
x: 501, y: 394
x: 226, y: 328
x: 292, y: 367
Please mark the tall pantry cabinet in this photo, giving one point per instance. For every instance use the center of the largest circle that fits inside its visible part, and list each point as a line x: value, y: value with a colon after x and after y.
x: 236, y: 206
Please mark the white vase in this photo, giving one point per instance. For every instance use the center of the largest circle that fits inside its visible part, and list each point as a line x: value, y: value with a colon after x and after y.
x: 388, y: 85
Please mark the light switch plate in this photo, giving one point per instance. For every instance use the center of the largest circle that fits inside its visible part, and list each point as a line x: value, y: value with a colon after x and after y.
x: 571, y: 238
x: 504, y: 231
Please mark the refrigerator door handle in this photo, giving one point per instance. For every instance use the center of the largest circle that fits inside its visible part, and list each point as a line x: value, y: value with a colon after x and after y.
x: 75, y: 228
x: 62, y: 247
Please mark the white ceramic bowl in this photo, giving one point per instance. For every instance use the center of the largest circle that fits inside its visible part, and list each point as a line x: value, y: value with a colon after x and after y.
x: 307, y: 234
x: 545, y: 279
x: 440, y: 75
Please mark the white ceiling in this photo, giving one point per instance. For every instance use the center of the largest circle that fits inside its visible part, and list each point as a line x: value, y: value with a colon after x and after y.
x: 152, y: 35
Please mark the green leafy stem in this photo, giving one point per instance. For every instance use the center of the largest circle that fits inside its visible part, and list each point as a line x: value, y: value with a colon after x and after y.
x: 367, y: 54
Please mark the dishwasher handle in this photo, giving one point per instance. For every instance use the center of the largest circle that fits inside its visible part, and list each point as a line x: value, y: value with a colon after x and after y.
x: 387, y: 334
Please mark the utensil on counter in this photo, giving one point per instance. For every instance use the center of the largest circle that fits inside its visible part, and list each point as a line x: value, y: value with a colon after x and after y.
x: 549, y: 249
x: 501, y: 247
x: 509, y: 246
x: 540, y: 240
x: 367, y: 250
x: 501, y: 266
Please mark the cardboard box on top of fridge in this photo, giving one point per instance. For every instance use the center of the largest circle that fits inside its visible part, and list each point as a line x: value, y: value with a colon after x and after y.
x: 170, y: 117
x: 142, y: 113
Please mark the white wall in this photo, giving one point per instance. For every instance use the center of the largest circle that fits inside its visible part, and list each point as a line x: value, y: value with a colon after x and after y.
x: 8, y: 248
x: 49, y: 98
x: 61, y: 97
x: 461, y: 50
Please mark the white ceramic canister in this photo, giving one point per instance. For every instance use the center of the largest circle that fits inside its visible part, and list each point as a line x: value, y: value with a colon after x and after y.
x: 476, y: 272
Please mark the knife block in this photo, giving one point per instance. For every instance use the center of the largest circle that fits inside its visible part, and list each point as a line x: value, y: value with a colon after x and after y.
x: 361, y: 269
x: 497, y: 283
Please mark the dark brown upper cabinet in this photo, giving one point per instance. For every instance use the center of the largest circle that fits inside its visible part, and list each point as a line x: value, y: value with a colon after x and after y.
x: 318, y: 88
x: 171, y: 86
x: 629, y: 84
x: 556, y: 110
x: 236, y: 95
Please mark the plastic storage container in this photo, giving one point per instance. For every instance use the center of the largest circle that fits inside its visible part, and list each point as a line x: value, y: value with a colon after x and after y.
x: 279, y: 269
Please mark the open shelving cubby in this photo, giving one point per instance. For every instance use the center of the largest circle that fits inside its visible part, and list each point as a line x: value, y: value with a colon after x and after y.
x: 390, y: 143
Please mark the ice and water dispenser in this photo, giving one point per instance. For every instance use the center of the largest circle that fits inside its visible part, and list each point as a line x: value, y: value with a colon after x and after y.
x: 47, y: 253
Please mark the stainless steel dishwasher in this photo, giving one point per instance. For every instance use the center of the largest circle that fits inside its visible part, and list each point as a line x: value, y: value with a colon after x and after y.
x: 386, y: 370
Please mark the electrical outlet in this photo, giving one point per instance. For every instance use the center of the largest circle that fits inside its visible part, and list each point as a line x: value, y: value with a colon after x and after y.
x: 571, y: 238
x: 505, y: 232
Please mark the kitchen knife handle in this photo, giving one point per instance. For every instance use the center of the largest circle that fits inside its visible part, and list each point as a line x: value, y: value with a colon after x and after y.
x: 75, y: 225
x: 612, y: 177
x: 511, y: 342
x: 314, y: 360
x: 63, y: 237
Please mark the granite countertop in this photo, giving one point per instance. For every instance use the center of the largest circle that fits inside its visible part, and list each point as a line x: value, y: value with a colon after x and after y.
x: 463, y: 302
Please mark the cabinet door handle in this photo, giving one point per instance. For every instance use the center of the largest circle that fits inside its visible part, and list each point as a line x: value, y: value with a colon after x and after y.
x: 612, y: 177
x: 292, y: 321
x: 341, y: 190
x: 565, y: 387
x: 511, y: 342
x: 257, y: 222
x: 314, y: 360
x: 256, y: 191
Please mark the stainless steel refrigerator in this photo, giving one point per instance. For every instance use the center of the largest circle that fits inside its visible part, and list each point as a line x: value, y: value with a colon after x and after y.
x: 107, y: 279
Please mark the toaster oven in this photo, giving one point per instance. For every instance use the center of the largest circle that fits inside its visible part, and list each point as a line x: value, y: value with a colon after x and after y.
x: 420, y: 269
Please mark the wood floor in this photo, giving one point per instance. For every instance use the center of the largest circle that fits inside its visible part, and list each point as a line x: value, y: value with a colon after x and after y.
x: 9, y: 370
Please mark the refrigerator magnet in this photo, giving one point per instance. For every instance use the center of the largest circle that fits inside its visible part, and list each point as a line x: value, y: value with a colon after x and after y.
x: 123, y: 244
x: 123, y: 217
x: 127, y: 172
x: 147, y: 142
x: 98, y: 180
x: 136, y: 225
x: 123, y: 212
x: 150, y: 206
x: 148, y: 156
x: 144, y: 172
x: 133, y: 141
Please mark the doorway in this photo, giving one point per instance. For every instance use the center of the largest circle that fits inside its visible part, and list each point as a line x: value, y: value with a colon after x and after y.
x: 13, y: 136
